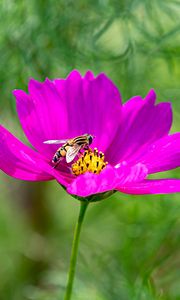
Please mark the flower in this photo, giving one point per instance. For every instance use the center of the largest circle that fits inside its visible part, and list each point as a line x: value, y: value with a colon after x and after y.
x: 134, y: 137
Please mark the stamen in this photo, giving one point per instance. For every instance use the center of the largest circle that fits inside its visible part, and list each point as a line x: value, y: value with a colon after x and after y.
x: 91, y: 161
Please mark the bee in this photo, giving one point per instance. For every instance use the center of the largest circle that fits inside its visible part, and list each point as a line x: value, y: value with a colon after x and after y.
x: 70, y: 148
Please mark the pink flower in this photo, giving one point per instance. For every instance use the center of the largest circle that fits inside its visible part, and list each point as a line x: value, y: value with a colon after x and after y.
x: 134, y: 136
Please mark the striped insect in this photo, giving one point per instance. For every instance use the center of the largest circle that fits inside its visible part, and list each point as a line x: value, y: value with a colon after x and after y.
x: 70, y: 148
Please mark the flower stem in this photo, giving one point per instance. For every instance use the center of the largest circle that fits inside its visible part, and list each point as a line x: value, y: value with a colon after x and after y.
x: 74, y: 250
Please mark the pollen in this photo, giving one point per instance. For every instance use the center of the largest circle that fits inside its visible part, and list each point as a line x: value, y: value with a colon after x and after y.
x: 91, y: 161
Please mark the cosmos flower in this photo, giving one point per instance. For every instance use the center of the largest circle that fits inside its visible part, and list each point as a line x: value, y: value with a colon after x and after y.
x: 131, y: 140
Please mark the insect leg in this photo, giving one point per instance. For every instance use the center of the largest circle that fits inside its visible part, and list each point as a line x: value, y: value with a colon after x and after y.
x: 86, y: 147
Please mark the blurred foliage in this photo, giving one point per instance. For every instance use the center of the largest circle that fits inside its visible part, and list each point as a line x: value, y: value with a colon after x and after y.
x: 130, y: 245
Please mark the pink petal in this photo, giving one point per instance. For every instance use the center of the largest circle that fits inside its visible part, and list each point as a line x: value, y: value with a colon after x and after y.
x: 42, y: 114
x: 163, y: 155
x: 93, y: 105
x: 89, y: 75
x: 159, y: 186
x: 142, y: 123
x: 128, y: 173
x: 63, y: 109
x: 63, y: 175
x: 89, y: 183
x: 20, y: 161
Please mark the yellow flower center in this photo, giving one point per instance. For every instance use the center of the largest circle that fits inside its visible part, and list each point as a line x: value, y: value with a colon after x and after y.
x: 91, y: 161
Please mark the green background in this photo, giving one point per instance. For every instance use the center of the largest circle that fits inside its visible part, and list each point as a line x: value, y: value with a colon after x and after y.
x: 130, y: 244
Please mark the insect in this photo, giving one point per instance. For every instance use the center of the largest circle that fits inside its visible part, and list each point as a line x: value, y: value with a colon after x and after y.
x: 70, y: 148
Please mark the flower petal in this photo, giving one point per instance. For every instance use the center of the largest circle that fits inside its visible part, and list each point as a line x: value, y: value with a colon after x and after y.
x: 42, y: 115
x: 93, y: 105
x: 127, y: 174
x: 142, y: 123
x: 89, y: 75
x: 20, y: 161
x: 89, y: 183
x: 159, y: 186
x: 163, y: 155
x: 63, y: 109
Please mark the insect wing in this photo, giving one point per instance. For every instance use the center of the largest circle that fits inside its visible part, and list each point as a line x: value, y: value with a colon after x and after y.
x: 55, y: 142
x: 72, y: 152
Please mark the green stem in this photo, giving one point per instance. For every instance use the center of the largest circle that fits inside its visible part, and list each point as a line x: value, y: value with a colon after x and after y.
x: 74, y: 251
